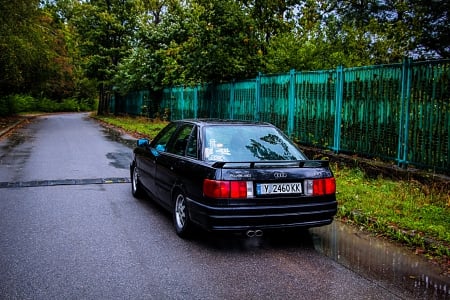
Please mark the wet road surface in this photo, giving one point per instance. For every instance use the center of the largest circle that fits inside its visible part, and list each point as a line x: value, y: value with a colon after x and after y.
x: 69, y: 228
x: 382, y: 261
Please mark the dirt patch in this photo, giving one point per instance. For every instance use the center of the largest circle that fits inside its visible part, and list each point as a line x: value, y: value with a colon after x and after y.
x: 6, y: 122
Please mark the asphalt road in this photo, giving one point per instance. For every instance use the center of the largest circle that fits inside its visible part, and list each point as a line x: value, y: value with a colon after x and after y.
x: 70, y: 229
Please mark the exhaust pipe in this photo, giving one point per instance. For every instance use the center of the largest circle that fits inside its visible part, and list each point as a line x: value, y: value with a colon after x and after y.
x: 253, y: 233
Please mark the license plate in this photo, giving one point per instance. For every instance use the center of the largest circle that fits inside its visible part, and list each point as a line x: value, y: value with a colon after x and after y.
x: 278, y: 188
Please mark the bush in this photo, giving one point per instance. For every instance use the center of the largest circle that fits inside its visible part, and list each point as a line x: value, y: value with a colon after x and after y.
x: 69, y: 105
x: 13, y: 104
x: 6, y: 106
x: 88, y: 104
x: 24, y: 103
x: 47, y: 105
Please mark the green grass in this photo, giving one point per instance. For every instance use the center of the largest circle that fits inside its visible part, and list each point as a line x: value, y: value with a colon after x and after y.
x: 406, y: 211
x: 139, y: 125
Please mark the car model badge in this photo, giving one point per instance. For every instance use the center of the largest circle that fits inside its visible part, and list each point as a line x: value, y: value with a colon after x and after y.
x: 280, y: 175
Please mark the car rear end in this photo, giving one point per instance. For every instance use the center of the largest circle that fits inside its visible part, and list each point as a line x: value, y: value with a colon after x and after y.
x: 267, y: 195
x: 259, y: 179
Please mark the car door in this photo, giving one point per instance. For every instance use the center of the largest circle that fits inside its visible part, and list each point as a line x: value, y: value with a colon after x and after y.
x: 172, y: 165
x: 150, y: 157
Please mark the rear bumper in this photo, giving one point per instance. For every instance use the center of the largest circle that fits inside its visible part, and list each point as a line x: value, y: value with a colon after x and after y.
x: 239, y: 218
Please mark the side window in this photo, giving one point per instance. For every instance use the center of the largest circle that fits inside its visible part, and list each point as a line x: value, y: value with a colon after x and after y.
x: 161, y: 140
x: 179, y: 145
x: 192, y: 150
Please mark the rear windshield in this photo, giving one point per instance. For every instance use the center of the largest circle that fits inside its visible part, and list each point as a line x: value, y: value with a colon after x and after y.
x: 242, y: 143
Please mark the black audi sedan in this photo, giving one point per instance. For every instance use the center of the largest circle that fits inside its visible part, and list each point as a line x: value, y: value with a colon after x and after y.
x: 236, y: 176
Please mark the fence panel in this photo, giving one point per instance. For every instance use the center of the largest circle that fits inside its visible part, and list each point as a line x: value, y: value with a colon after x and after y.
x: 429, y: 115
x: 203, y: 101
x: 371, y: 110
x: 172, y: 100
x: 165, y: 104
x: 244, y: 102
x: 273, y: 102
x: 314, y: 108
x: 133, y: 103
x: 188, y: 108
x: 221, y: 101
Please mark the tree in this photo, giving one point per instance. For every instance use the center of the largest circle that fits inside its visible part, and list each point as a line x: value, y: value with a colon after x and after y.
x: 435, y: 22
x: 190, y: 42
x: 202, y: 41
x: 271, y: 16
x: 59, y: 81
x: 104, y: 29
x: 34, y: 57
x: 22, y: 45
x: 400, y: 28
x: 143, y: 67
x: 222, y: 44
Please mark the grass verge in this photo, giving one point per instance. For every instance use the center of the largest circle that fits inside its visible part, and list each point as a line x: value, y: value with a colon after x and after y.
x: 407, y: 211
x: 139, y: 126
x: 415, y: 214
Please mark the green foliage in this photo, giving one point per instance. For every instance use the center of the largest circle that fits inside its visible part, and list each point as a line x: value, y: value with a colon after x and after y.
x: 33, y: 56
x: 72, y: 48
x: 223, y: 45
x: 6, y: 106
x: 104, y: 30
x: 212, y: 41
x: 19, y: 41
x: 406, y: 211
x: 201, y: 42
x: 140, y: 126
x: 14, y: 104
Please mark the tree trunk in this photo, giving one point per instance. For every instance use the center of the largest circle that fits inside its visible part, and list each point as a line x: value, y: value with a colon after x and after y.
x: 103, y: 105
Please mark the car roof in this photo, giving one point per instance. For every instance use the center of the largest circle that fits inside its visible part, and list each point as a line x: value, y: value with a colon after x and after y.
x: 205, y: 122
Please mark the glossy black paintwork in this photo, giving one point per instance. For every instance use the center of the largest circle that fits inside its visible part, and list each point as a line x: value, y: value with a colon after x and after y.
x: 161, y: 173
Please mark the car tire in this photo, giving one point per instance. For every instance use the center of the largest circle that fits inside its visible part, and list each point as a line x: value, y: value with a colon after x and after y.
x: 181, y: 218
x: 136, y: 187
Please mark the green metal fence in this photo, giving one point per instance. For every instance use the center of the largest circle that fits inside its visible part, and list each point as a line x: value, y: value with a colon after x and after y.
x: 399, y: 112
x: 135, y: 103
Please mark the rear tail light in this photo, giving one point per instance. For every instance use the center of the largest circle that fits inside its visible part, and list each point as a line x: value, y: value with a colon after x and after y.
x: 227, y: 189
x: 320, y: 187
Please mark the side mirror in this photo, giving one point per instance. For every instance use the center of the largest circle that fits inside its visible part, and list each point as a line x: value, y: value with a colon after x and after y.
x: 142, y: 142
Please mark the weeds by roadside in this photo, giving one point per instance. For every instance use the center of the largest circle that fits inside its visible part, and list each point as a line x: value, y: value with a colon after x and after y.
x: 406, y: 211
x: 138, y: 127
x: 6, y: 122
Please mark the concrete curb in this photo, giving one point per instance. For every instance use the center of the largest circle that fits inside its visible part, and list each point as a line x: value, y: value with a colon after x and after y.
x: 10, y: 128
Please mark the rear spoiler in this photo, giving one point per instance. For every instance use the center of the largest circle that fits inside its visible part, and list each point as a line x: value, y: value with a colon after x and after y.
x: 272, y: 164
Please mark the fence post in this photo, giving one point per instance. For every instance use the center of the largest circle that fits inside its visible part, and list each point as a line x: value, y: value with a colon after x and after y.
x: 195, y: 101
x: 338, y: 110
x: 291, y: 107
x: 182, y: 102
x: 405, y: 96
x: 232, y: 91
x: 257, y: 96
x: 142, y: 103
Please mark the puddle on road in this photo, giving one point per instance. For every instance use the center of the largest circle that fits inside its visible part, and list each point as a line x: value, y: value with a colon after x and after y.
x: 119, y: 160
x: 381, y: 261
